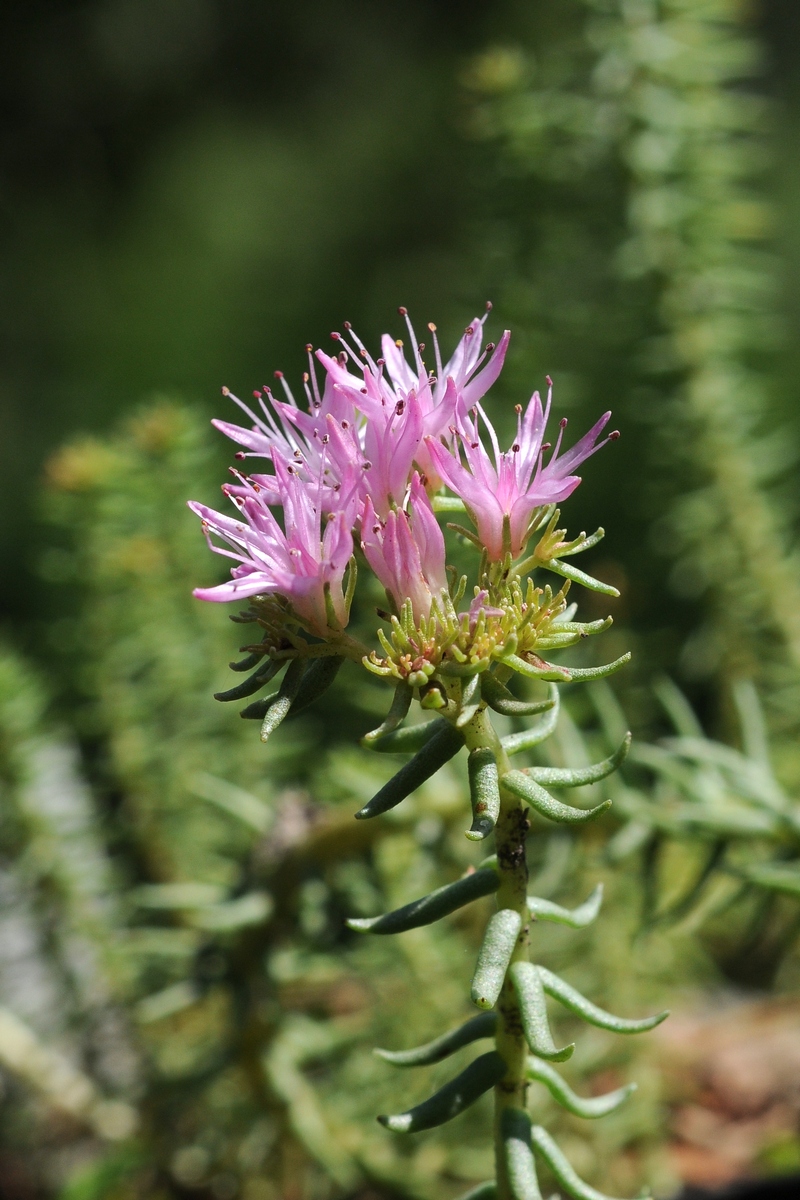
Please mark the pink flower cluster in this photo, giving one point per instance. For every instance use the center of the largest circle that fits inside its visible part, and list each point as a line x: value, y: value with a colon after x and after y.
x: 374, y: 444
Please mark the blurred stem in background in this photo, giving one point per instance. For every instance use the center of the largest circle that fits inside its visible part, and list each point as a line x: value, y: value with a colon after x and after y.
x: 646, y: 123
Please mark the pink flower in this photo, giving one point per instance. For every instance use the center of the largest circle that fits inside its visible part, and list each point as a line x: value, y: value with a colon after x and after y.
x: 501, y: 496
x: 303, y: 563
x: 404, y: 404
x: 406, y: 550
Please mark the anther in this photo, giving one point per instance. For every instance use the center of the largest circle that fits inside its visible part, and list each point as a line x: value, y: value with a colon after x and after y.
x: 309, y: 347
x: 563, y: 423
x: 306, y: 376
x: 431, y: 326
x: 240, y: 454
x: 403, y: 311
x: 548, y: 381
x: 517, y: 409
x: 345, y: 424
x: 257, y: 395
x: 614, y: 435
x: 337, y: 337
x: 347, y: 325
x: 226, y: 391
x: 489, y: 306
x: 515, y: 447
x: 399, y: 343
x: 279, y: 374
x: 421, y: 347
x: 546, y: 446
x: 474, y: 445
x: 363, y: 391
x: 469, y: 330
x: 490, y: 347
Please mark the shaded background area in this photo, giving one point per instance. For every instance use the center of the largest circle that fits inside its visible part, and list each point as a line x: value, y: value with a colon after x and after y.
x: 190, y: 191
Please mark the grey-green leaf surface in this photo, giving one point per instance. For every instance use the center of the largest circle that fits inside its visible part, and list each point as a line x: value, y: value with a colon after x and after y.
x: 482, y: 1026
x: 576, y: 918
x: 578, y: 1004
x: 453, y: 1098
x: 438, y: 750
x: 432, y: 907
x: 484, y: 790
x: 596, y: 1106
x: 566, y: 1175
x: 564, y: 814
x: 580, y: 776
x: 494, y: 956
x: 533, y: 1012
x: 515, y: 1131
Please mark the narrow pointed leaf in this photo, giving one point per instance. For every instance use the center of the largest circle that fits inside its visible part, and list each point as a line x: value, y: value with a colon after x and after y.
x: 778, y: 877
x: 577, y: 576
x: 247, y: 664
x: 530, y: 791
x: 494, y: 956
x: 547, y: 672
x: 484, y: 790
x: 516, y: 743
x: 562, y: 1093
x: 576, y: 918
x: 580, y: 776
x: 249, y: 686
x: 317, y: 679
x: 453, y: 1098
x: 533, y: 1012
x: 515, y: 1131
x: 446, y: 742
x: 432, y: 907
x: 578, y: 1004
x: 470, y: 700
x: 576, y: 674
x: 565, y: 1174
x: 409, y: 738
x: 401, y: 703
x: 442, y: 1047
x: 288, y: 690
x: 498, y: 697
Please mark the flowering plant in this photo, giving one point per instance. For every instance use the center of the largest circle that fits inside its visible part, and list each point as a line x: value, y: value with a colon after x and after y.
x: 383, y: 447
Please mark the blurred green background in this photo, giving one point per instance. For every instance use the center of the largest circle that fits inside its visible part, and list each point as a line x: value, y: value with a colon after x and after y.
x: 191, y: 191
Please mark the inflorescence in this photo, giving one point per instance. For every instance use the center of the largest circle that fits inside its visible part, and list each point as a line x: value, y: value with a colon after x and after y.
x: 383, y: 446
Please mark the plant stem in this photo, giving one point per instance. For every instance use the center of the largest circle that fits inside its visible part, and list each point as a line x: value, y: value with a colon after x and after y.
x: 510, y: 834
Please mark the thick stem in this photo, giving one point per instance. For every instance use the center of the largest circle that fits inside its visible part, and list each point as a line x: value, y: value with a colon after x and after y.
x: 510, y: 834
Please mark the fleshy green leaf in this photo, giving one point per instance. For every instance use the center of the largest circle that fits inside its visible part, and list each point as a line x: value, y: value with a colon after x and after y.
x: 576, y: 918
x: 453, y: 1098
x: 565, y: 1174
x: 580, y: 776
x: 484, y: 790
x: 442, y: 1047
x: 515, y: 1131
x: 578, y: 1004
x: 438, y: 750
x: 527, y: 984
x: 527, y: 789
x: 432, y: 907
x: 498, y: 697
x: 401, y: 702
x: 408, y: 739
x: 494, y: 956
x: 596, y: 1106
